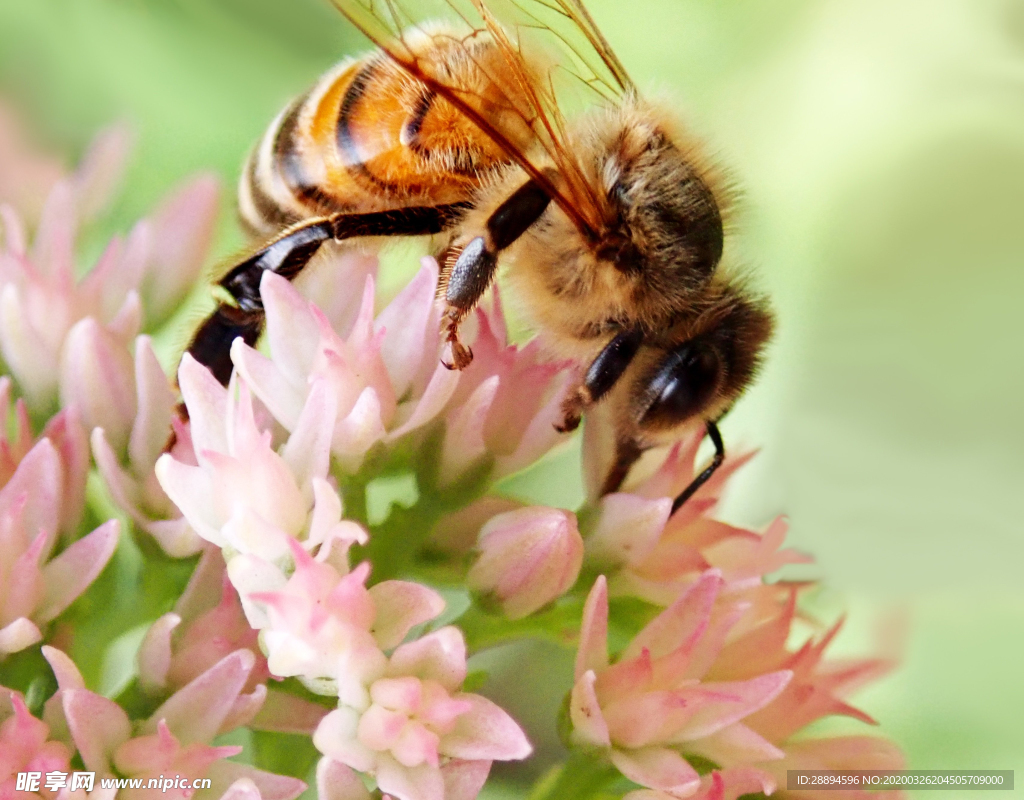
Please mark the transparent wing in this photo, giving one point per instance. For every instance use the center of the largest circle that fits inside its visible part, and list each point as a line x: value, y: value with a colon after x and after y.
x: 549, y: 50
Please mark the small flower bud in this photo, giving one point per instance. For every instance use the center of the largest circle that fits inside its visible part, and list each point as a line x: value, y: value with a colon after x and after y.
x: 528, y: 557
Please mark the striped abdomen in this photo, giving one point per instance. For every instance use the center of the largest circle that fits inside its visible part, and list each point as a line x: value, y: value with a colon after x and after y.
x: 368, y: 137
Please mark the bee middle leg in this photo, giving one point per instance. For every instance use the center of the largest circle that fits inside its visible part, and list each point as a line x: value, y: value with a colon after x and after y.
x: 601, y: 376
x: 473, y: 269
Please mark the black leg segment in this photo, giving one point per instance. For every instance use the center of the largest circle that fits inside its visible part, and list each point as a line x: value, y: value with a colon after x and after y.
x: 709, y: 470
x: 603, y: 373
x: 611, y: 362
x: 475, y: 266
x: 287, y: 256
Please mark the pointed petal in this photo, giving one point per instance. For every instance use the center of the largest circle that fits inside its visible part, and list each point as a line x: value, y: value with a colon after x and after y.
x: 70, y: 573
x: 154, y: 656
x: 98, y: 727
x: 684, y: 622
x: 335, y: 781
x: 409, y: 783
x: 405, y: 322
x: 401, y: 605
x: 156, y: 402
x: 588, y: 723
x: 657, y: 768
x: 592, y: 653
x: 439, y: 656
x: 64, y: 669
x: 487, y: 732
x: 464, y: 439
x: 18, y: 635
x: 196, y: 712
x: 627, y: 530
x: 308, y: 450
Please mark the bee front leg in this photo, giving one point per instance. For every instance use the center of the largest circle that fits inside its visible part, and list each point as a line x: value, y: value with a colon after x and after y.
x: 601, y: 376
x: 468, y: 278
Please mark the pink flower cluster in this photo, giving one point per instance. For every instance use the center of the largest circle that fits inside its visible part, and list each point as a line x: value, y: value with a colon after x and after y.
x: 267, y: 457
x: 176, y: 739
x: 301, y: 616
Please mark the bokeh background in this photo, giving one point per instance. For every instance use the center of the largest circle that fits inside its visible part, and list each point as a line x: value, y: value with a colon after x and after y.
x: 880, y: 147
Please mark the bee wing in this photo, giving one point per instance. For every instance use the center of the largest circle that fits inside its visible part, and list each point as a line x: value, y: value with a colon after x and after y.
x: 529, y: 86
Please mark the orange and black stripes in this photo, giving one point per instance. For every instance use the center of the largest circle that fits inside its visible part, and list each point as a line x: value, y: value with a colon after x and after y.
x: 369, y: 137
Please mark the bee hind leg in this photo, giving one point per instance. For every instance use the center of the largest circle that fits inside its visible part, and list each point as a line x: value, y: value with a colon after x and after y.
x: 287, y: 255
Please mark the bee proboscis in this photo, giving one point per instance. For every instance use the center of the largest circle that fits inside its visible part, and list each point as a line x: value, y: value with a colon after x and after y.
x: 609, y: 223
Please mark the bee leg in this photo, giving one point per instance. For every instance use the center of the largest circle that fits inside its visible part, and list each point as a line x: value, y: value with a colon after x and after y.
x: 601, y: 376
x: 716, y: 439
x: 287, y: 255
x: 627, y: 451
x: 477, y: 262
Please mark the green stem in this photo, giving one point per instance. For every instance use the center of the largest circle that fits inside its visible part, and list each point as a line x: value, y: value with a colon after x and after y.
x: 582, y: 777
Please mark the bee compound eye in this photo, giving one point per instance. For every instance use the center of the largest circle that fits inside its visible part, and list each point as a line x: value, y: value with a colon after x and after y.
x: 682, y: 385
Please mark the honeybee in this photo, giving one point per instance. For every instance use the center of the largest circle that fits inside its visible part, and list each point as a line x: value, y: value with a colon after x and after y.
x: 609, y: 223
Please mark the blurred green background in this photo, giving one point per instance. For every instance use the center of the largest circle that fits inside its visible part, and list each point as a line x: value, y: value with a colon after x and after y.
x: 880, y: 146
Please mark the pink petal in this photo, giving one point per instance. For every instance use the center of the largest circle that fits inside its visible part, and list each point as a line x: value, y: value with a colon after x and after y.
x: 183, y: 226
x: 70, y: 573
x: 463, y: 780
x: 244, y: 709
x: 53, y: 247
x: 438, y: 656
x: 335, y: 737
x: 269, y: 785
x: 66, y: 432
x: 98, y: 727
x: 308, y: 450
x: 156, y: 406
x: 401, y: 605
x: 64, y: 669
x: 409, y: 783
x: 358, y: 431
x: 628, y: 529
x: 734, y: 745
x: 588, y: 724
x: 436, y: 395
x: 99, y: 174
x: 197, y: 711
x: 37, y: 487
x: 282, y: 399
x: 154, y: 656
x: 730, y: 702
x: 293, y: 333
x: 207, y: 403
x: 18, y: 635
x: 657, y: 768
x: 592, y: 652
x: 682, y: 623
x: 540, y: 434
x: 190, y: 489
x: 464, y: 438
x: 486, y: 732
x: 335, y: 781
x: 288, y: 713
x: 32, y: 360
x: 405, y: 322
x: 242, y: 789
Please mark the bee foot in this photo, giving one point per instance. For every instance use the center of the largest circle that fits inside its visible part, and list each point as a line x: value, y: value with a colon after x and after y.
x: 462, y: 356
